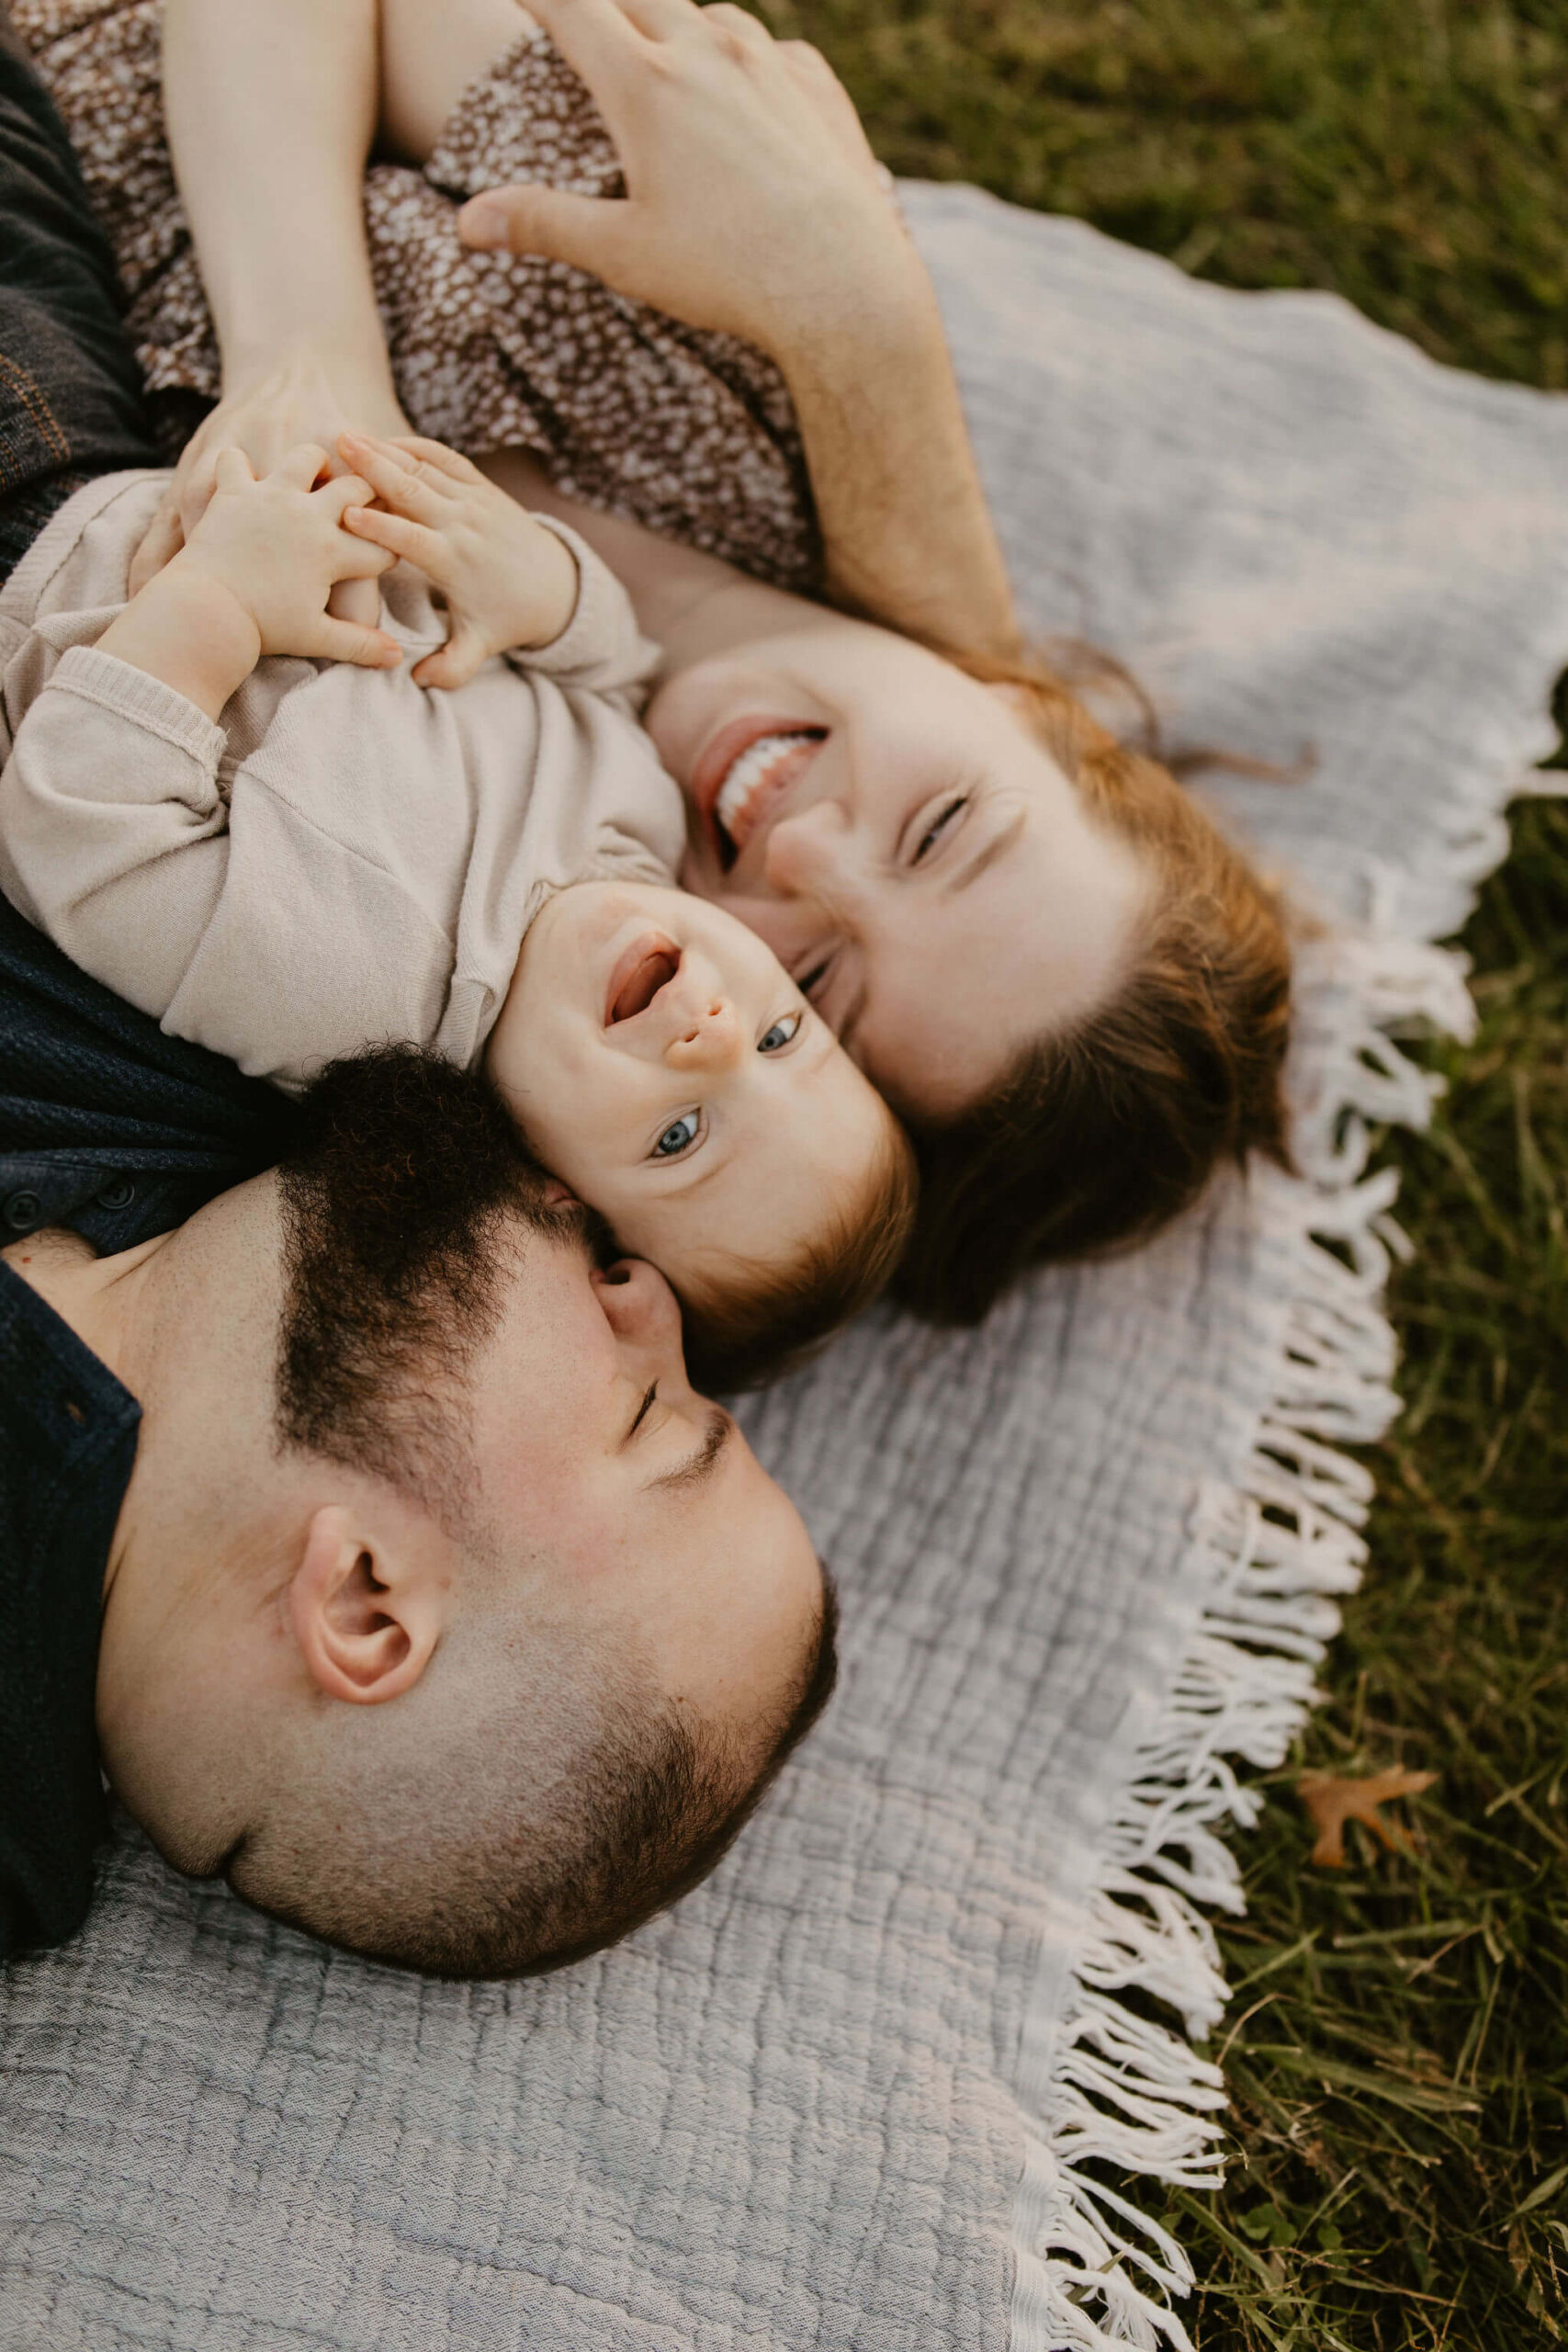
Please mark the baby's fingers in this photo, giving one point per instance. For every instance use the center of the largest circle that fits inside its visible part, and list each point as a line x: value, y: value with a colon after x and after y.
x: 358, y: 559
x: 437, y: 455
x: 406, y: 484
x: 456, y: 662
x: 398, y: 536
x: 343, y: 491
x: 355, y: 597
x: 369, y: 648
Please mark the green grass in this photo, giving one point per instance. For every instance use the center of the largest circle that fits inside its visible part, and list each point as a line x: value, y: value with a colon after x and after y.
x: 1398, y: 2049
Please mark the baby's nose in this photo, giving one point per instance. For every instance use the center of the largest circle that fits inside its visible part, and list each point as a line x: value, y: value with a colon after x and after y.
x: 706, y: 1034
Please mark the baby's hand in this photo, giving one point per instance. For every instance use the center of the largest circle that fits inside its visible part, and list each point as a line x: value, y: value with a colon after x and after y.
x: 276, y: 546
x: 507, y: 581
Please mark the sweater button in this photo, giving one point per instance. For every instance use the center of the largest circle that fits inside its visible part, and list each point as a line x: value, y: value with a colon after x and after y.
x: 117, y: 1195
x: 23, y: 1211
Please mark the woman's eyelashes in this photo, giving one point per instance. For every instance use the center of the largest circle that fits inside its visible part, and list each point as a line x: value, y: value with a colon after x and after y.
x: 933, y: 826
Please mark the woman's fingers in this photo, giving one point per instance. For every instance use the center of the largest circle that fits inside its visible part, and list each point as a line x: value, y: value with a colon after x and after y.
x: 400, y: 537
x: 302, y: 468
x: 593, y: 233
x: 833, y: 104
x: 662, y: 20
x: 163, y: 540
x: 739, y: 22
x: 599, y: 31
x: 808, y: 65
x: 231, y: 470
x: 604, y: 45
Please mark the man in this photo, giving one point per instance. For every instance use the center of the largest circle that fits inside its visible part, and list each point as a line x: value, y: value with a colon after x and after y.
x: 364, y: 1521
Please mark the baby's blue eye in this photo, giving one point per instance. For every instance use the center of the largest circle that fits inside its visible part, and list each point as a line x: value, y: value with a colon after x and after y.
x: 782, y: 1034
x: 677, y: 1139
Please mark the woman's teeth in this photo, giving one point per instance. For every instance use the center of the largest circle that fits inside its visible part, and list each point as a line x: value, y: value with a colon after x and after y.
x: 742, y: 795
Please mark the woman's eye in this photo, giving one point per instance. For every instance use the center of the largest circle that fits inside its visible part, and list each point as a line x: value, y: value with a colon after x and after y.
x: 939, y: 825
x: 810, y: 980
x: 782, y: 1032
x: 678, y: 1137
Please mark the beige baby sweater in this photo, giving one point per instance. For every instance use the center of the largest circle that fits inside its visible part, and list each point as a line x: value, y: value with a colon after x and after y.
x: 348, y: 857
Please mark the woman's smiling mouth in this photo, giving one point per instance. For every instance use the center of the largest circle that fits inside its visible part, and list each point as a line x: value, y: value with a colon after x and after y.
x: 745, y: 772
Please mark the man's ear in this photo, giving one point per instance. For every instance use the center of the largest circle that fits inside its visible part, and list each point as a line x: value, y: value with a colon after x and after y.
x: 368, y: 1608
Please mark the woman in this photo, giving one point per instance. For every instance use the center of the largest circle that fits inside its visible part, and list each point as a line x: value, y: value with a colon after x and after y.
x: 1071, y: 988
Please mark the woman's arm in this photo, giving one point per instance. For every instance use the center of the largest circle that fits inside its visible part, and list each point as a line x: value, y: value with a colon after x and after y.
x: 755, y: 207
x: 744, y: 134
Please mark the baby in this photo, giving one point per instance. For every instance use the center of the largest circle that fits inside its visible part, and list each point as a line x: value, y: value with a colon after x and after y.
x: 214, y: 808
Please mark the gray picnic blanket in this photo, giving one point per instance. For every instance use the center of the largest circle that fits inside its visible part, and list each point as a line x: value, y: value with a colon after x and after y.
x: 878, y: 2084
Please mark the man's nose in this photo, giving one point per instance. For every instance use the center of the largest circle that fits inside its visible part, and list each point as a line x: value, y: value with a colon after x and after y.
x: 808, y: 852
x: 640, y: 1307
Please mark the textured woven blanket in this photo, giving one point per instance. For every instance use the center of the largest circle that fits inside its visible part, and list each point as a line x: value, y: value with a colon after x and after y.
x: 879, y: 2084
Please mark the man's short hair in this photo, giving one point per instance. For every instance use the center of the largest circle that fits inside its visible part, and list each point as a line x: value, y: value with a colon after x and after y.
x: 532, y: 1798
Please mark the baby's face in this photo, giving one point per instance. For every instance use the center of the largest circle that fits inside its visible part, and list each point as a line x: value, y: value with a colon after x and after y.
x: 662, y: 1062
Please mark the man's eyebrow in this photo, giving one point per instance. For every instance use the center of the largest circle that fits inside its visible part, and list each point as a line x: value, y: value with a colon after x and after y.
x: 993, y: 848
x: 699, y: 1467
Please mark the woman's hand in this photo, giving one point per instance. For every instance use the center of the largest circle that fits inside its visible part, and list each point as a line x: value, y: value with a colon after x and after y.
x: 754, y: 205
x: 301, y: 398
x: 508, y: 582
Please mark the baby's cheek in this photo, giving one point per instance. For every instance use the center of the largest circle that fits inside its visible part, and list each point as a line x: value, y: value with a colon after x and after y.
x: 513, y: 1070
x: 667, y: 1233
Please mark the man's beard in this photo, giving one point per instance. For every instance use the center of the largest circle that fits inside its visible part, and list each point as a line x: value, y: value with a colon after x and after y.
x: 408, y: 1198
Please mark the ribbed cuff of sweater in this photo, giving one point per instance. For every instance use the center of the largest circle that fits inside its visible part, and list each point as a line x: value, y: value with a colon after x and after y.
x: 603, y: 630
x: 145, y: 702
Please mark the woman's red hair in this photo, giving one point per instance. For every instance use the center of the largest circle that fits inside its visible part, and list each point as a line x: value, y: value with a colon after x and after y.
x: 1102, y: 1132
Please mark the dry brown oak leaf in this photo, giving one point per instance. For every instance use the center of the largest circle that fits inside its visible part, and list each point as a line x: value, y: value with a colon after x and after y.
x: 1332, y: 1800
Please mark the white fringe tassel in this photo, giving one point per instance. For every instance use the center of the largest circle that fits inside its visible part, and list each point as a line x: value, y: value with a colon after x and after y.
x: 1122, y: 2090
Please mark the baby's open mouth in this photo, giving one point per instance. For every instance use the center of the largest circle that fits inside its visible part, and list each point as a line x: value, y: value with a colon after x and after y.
x: 755, y: 780
x: 638, y: 975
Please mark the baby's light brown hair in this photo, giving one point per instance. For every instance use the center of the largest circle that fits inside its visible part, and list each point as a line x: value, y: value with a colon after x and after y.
x: 754, y: 1320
